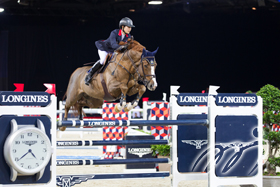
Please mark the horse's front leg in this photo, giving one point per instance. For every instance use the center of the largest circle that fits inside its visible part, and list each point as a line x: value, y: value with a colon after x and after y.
x: 122, y: 103
x: 80, y: 112
x: 141, y: 89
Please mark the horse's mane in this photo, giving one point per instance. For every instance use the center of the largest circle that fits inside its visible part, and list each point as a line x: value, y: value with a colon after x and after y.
x: 134, y: 45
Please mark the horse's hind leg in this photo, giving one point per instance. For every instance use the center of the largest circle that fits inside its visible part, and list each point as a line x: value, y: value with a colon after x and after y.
x: 67, y: 108
x: 70, y: 101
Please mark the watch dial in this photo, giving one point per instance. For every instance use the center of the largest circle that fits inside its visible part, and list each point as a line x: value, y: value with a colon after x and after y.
x: 29, y: 150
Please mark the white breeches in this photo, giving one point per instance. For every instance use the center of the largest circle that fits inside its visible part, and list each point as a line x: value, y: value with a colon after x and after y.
x: 102, y: 56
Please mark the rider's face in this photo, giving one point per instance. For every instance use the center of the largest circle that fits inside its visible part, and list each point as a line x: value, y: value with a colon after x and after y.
x: 127, y: 29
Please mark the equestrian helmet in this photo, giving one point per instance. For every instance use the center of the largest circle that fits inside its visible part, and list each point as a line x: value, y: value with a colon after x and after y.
x: 126, y: 22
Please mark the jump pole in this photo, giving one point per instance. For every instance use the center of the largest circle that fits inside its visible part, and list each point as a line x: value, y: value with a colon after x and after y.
x: 101, y: 143
x: 125, y: 123
x: 111, y: 161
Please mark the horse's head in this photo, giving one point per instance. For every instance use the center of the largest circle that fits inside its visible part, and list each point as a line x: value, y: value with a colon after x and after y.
x: 147, y: 69
x: 147, y: 60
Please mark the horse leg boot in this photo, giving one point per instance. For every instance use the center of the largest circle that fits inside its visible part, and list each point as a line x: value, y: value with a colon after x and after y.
x: 141, y: 89
x: 94, y: 68
x: 132, y: 105
x: 122, y: 104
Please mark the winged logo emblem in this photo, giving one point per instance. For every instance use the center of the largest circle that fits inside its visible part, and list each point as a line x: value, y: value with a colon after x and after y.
x: 69, y: 180
x: 236, y: 145
x: 196, y: 143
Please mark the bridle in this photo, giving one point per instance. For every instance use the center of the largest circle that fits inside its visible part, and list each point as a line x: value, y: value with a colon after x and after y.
x: 150, y: 59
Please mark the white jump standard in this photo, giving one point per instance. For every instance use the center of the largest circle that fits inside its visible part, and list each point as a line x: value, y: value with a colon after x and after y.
x: 229, y: 123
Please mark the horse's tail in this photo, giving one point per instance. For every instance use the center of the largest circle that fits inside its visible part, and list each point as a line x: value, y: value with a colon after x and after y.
x: 64, y: 97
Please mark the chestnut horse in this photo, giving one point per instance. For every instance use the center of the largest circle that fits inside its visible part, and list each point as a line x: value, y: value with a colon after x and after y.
x: 120, y: 78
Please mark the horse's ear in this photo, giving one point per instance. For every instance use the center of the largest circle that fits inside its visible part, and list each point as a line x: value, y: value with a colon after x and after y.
x: 155, y: 52
x: 144, y: 52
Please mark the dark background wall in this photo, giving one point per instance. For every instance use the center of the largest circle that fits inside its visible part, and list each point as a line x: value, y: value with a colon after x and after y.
x: 238, y: 52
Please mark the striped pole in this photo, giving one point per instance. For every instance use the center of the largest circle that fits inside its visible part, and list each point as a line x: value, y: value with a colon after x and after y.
x: 102, y: 123
x: 111, y: 161
x: 121, y: 142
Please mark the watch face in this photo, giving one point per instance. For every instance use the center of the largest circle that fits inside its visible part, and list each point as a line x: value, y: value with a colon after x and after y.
x: 29, y: 150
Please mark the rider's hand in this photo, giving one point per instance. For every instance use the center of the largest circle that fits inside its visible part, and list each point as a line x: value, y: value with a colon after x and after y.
x: 122, y: 48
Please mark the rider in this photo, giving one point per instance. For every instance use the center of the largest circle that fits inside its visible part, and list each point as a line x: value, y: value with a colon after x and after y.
x: 111, y: 44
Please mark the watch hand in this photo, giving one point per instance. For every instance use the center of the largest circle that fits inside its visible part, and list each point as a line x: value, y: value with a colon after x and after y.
x: 32, y: 153
x: 23, y: 155
x: 29, y: 151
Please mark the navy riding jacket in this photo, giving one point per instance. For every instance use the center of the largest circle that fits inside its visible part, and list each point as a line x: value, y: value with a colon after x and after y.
x: 112, y: 43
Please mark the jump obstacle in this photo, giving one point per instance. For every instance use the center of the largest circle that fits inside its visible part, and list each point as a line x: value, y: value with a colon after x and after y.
x: 224, y: 114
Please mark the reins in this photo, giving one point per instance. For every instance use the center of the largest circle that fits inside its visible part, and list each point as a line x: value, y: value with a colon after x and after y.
x: 140, y: 78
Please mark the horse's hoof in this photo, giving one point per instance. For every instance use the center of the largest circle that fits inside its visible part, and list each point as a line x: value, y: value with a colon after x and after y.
x: 128, y: 107
x: 62, y: 128
x: 117, y: 108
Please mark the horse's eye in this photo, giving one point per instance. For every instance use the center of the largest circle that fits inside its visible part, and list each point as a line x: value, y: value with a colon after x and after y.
x: 146, y: 66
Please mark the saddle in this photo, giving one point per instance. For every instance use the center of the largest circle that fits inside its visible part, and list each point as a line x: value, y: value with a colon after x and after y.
x: 108, y: 59
x: 107, y: 62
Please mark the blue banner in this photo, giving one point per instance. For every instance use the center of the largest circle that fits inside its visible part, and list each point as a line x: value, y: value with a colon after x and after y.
x: 236, y: 141
x: 235, y: 99
x: 222, y: 99
x: 25, y: 98
x: 187, y: 99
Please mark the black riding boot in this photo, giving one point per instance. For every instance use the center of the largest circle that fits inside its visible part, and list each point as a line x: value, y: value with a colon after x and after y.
x: 94, y: 68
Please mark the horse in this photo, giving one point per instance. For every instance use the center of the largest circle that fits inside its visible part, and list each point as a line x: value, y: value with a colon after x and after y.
x: 120, y: 78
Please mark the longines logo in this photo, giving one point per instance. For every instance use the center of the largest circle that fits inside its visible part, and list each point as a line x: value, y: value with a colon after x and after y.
x: 221, y: 99
x: 25, y: 98
x: 236, y: 99
x: 76, y: 143
x: 193, y: 99
x: 102, y: 123
x: 140, y: 151
x: 29, y: 142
